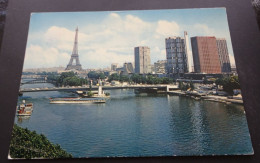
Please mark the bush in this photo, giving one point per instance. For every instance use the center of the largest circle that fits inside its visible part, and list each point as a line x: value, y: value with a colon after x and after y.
x: 90, y: 94
x: 28, y: 144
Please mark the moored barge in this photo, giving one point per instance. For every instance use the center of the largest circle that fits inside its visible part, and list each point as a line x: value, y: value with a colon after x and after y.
x: 76, y: 100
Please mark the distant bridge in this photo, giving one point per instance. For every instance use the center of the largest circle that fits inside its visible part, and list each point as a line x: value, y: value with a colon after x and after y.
x: 34, y: 76
x: 37, y: 81
x: 82, y: 88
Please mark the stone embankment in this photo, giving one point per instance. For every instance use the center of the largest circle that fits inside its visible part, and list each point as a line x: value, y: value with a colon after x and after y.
x: 215, y: 98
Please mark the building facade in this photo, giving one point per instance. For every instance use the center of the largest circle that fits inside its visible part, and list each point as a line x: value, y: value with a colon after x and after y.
x: 142, y: 60
x: 176, y: 56
x: 188, y: 53
x: 160, y: 67
x: 205, y: 55
x: 223, y: 55
x: 114, y: 66
x: 128, y: 68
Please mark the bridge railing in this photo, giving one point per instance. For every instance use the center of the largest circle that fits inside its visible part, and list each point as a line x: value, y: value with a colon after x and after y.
x: 95, y: 87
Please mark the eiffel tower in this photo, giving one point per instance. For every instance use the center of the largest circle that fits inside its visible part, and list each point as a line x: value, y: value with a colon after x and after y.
x: 74, y: 56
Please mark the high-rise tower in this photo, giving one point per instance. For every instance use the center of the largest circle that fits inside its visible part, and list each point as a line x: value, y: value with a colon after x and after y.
x: 188, y: 52
x: 176, y: 56
x: 142, y: 60
x: 74, y: 56
x: 205, y: 55
x: 223, y: 55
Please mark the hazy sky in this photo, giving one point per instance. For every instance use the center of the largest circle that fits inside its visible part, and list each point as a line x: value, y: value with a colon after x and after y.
x: 110, y: 36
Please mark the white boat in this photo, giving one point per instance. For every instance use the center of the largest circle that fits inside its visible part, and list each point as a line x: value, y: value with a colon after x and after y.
x: 24, y: 109
x: 76, y: 100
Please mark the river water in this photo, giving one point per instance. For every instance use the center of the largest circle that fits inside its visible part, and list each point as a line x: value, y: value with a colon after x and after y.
x: 139, y: 125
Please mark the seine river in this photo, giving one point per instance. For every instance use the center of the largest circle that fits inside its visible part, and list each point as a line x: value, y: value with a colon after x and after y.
x: 139, y: 125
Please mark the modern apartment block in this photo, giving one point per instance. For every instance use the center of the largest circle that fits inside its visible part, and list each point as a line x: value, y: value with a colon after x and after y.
x: 223, y: 55
x: 205, y: 55
x: 159, y: 67
x: 142, y: 60
x: 176, y: 56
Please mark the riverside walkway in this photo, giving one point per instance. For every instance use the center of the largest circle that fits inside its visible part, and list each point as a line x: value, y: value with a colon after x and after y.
x: 214, y: 98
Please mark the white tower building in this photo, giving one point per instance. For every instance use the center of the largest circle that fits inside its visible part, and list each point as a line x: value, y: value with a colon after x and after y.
x: 188, y: 52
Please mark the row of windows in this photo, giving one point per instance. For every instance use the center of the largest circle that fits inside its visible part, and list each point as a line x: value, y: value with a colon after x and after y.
x: 176, y: 70
x: 171, y: 49
x: 178, y: 39
x: 176, y: 66
x: 174, y: 55
x: 174, y: 61
x: 175, y: 45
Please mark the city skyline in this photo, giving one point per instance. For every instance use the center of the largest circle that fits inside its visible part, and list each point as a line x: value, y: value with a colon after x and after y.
x: 113, y: 35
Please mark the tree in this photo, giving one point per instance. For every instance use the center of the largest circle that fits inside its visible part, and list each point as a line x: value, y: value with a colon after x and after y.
x: 95, y: 75
x: 229, y: 84
x: 136, y: 78
x: 65, y: 75
x: 143, y: 80
x: 29, y: 144
x: 90, y: 93
x: 166, y: 80
x: 124, y: 78
x: 114, y: 77
x: 102, y: 76
x: 191, y: 86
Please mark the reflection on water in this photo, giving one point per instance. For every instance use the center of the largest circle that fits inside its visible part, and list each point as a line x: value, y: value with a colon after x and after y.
x: 139, y: 125
x: 21, y: 119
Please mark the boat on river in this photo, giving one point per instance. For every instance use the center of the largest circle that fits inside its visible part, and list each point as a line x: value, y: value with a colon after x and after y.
x: 24, y: 109
x: 77, y: 100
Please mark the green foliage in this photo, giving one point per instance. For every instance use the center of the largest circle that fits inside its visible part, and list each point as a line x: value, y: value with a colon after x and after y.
x: 124, y: 78
x: 166, y: 80
x: 114, y: 77
x: 185, y: 87
x: 74, y: 81
x: 63, y: 76
x: 95, y: 75
x: 137, y: 78
x: 229, y: 84
x: 153, y: 80
x: 68, y: 78
x: 90, y: 94
x: 53, y: 78
x: 29, y: 144
x: 192, y: 87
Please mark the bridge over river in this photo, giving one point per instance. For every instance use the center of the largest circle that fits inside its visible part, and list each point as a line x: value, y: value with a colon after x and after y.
x: 86, y: 88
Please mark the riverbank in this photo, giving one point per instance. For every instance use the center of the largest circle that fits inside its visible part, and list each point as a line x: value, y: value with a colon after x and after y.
x: 139, y: 125
x: 215, y: 98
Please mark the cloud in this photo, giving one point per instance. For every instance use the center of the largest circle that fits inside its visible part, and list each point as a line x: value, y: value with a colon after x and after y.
x: 166, y: 28
x: 62, y: 38
x: 39, y: 57
x: 112, y: 40
x: 204, y: 30
x: 135, y: 25
x: 102, y: 58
